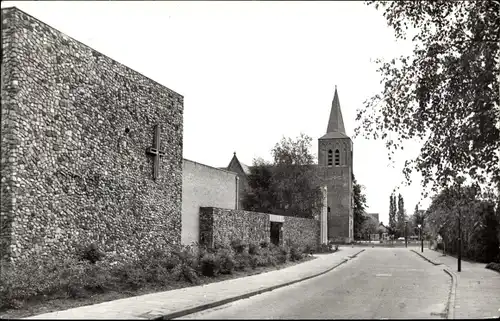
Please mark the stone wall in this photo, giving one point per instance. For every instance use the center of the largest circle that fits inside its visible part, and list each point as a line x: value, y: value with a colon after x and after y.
x: 203, y: 186
x: 74, y: 132
x: 224, y: 225
x: 301, y: 231
x: 220, y: 226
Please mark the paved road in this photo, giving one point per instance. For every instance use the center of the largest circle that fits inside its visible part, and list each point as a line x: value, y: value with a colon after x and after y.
x: 379, y: 283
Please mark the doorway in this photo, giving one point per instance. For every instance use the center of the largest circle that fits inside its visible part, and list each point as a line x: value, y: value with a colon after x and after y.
x: 276, y: 228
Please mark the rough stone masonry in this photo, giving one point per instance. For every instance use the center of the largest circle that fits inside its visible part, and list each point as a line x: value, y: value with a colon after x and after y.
x: 75, y: 128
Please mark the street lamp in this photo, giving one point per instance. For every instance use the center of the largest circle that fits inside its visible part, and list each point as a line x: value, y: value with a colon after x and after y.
x: 421, y: 239
x: 459, y: 267
x: 459, y: 256
x: 406, y: 236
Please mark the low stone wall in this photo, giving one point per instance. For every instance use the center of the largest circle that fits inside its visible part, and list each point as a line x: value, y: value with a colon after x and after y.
x: 301, y: 231
x: 218, y: 226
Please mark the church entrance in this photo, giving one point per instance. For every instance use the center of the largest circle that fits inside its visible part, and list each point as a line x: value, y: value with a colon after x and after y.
x: 276, y: 232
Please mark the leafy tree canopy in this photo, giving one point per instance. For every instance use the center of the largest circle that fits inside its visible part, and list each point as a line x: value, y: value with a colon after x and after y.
x: 289, y: 185
x: 445, y: 94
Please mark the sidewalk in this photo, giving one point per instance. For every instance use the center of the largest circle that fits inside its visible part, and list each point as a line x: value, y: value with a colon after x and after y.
x: 477, y: 290
x: 184, y: 301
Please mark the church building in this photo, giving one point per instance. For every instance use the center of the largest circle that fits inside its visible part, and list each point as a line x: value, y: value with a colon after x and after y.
x: 335, y: 160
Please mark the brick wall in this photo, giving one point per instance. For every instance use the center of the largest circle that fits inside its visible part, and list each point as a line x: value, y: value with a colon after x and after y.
x: 203, y: 186
x: 224, y: 225
x: 339, y: 182
x: 74, y: 130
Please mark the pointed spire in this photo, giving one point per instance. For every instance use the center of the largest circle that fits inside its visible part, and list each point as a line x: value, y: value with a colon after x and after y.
x: 336, y: 123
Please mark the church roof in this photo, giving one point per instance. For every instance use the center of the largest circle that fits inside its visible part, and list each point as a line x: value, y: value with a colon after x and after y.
x: 236, y: 162
x: 246, y: 168
x: 336, y: 122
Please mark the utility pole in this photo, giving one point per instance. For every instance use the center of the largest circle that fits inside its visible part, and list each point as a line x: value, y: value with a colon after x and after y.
x: 422, y: 238
x: 422, y: 235
x: 459, y: 256
x: 459, y: 244
x: 406, y: 236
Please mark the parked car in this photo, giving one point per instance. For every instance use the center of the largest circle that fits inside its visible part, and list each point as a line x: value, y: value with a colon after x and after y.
x: 401, y: 238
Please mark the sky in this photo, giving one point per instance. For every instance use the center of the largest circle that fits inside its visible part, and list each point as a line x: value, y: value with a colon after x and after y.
x: 252, y: 72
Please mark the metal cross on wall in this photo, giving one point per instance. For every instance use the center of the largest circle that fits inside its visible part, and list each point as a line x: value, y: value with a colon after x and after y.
x: 156, y: 152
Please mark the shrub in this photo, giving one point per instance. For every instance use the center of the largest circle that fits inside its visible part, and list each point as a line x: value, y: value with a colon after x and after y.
x: 27, y: 279
x: 157, y: 274
x: 330, y: 248
x: 493, y: 266
x: 187, y: 268
x: 90, y: 253
x: 238, y: 246
x: 264, y: 244
x: 185, y: 272
x: 266, y: 258
x: 131, y: 275
x: 296, y: 254
x: 36, y: 278
x: 253, y: 249
x: 209, y: 265
x: 242, y: 260
x: 323, y: 248
x: 157, y: 265
x: 280, y: 253
x: 187, y: 256
x: 226, y: 261
x: 254, y: 261
x: 97, y: 279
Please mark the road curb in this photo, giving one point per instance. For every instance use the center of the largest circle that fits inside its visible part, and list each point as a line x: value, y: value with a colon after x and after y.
x: 425, y: 258
x: 244, y: 296
x: 353, y: 256
x: 450, y: 308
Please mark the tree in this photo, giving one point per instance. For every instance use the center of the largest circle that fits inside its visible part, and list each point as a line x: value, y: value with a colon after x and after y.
x: 479, y: 224
x: 485, y: 238
x: 295, y: 180
x: 400, y: 216
x: 260, y: 196
x: 498, y: 214
x: 418, y: 219
x: 289, y: 185
x: 369, y: 226
x: 392, y: 214
x: 445, y: 94
x: 359, y: 207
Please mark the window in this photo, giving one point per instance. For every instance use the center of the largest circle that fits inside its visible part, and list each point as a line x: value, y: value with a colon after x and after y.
x: 337, y: 157
x: 330, y: 158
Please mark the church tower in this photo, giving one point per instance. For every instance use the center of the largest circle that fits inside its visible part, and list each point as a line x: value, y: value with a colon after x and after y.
x: 335, y: 167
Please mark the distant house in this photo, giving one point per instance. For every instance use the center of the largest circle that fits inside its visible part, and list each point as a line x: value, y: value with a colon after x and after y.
x: 383, y: 232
